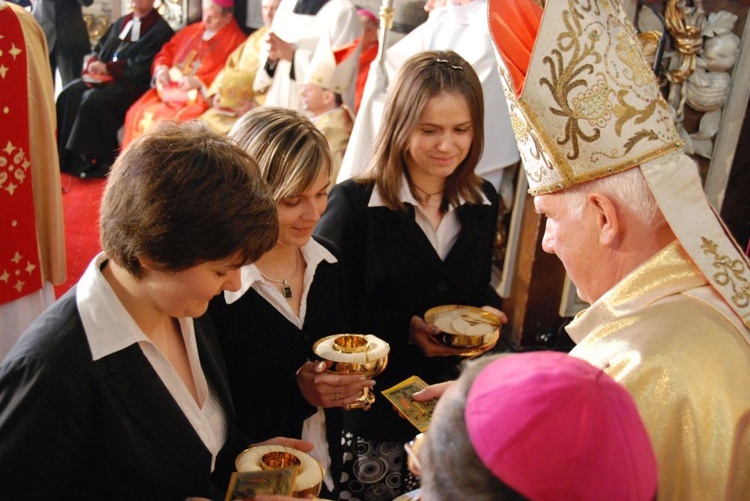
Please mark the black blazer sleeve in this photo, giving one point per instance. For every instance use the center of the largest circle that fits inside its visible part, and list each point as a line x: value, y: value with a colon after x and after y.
x: 45, y: 420
x: 77, y: 428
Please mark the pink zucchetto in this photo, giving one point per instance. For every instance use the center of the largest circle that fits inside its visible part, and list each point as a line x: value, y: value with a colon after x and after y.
x: 224, y: 4
x: 369, y: 15
x: 553, y: 427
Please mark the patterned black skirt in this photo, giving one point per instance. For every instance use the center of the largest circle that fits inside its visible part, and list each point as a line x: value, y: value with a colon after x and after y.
x: 374, y: 471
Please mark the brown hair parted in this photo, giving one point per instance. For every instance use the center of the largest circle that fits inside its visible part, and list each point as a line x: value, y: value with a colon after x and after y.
x: 423, y: 77
x: 181, y: 195
x: 290, y: 151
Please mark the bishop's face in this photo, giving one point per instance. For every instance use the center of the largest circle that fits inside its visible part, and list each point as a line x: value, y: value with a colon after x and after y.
x: 314, y: 98
x: 214, y: 18
x: 574, y: 240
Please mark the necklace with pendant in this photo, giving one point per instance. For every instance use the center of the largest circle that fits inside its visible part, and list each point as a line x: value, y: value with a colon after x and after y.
x: 428, y: 195
x: 286, y: 289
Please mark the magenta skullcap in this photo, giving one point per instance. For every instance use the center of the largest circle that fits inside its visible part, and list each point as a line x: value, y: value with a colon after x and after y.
x: 369, y: 15
x: 224, y: 4
x: 553, y: 427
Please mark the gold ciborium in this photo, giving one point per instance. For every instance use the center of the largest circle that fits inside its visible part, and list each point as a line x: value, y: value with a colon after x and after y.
x: 309, y: 478
x: 355, y: 354
x: 469, y: 329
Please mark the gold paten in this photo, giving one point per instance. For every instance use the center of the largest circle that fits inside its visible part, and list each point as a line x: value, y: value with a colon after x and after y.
x: 470, y: 345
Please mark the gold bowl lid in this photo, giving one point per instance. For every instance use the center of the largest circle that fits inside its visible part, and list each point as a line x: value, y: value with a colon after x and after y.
x: 351, y: 348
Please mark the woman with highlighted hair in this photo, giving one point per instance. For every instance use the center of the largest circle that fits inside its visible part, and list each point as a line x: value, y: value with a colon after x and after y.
x: 290, y: 298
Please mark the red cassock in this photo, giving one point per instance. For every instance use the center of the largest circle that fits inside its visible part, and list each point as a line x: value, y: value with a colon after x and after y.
x: 203, y: 58
x: 365, y: 59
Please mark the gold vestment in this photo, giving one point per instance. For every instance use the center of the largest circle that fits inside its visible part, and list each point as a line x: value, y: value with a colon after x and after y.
x: 671, y: 340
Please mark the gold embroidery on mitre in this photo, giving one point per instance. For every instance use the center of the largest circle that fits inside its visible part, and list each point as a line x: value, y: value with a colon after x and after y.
x: 567, y: 77
x: 731, y: 272
x: 594, y: 106
x: 631, y: 55
x: 536, y: 164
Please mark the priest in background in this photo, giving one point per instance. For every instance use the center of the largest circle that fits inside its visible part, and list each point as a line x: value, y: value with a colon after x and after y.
x: 91, y: 109
x: 461, y: 25
x: 32, y: 252
x: 185, y: 68
x: 370, y: 47
x: 331, y: 75
x: 231, y: 94
x: 294, y: 36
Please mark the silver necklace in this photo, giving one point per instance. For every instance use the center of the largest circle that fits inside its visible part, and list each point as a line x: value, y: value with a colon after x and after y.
x: 286, y: 289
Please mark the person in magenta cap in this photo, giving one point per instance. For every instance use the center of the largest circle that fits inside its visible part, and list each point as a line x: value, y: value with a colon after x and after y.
x: 539, y: 426
x: 370, y: 47
x: 185, y: 68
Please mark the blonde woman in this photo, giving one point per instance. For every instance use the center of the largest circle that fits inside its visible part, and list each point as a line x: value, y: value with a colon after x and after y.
x: 290, y: 297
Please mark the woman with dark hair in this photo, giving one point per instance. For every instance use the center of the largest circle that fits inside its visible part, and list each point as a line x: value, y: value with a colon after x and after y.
x: 119, y: 391
x: 416, y: 230
x: 290, y: 298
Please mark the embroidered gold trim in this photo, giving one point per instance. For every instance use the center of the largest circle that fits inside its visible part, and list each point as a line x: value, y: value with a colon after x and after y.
x: 731, y: 272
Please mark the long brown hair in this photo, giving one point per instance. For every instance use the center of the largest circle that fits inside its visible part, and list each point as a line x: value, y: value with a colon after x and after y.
x: 424, y: 76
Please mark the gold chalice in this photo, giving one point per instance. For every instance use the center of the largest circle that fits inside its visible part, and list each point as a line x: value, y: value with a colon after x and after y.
x: 309, y: 478
x: 355, y: 354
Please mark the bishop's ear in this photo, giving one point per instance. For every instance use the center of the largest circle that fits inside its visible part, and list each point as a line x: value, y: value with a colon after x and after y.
x: 607, y: 218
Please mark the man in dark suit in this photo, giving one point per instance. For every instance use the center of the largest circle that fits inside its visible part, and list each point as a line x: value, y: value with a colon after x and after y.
x: 90, y: 110
x: 67, y: 38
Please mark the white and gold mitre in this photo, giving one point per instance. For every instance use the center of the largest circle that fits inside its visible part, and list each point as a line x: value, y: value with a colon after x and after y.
x: 590, y: 105
x: 584, y: 104
x: 334, y: 69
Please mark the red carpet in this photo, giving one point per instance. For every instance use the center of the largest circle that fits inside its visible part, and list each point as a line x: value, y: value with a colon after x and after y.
x: 81, y: 199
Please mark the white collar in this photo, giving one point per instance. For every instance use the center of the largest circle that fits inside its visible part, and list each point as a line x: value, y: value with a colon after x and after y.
x: 109, y: 327
x: 405, y: 196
